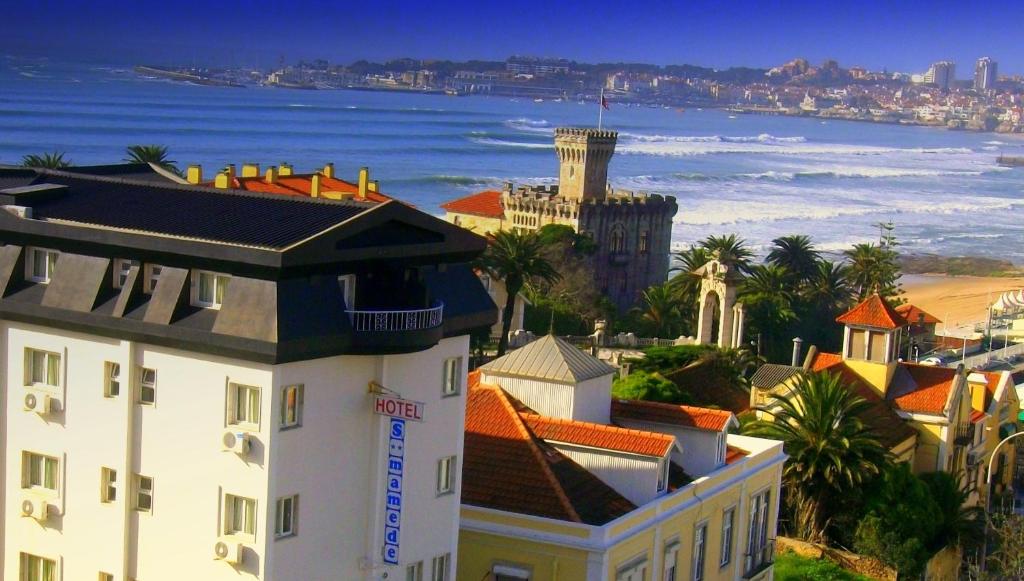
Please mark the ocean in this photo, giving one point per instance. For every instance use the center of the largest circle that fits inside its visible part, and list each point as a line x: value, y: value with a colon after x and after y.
x: 758, y: 176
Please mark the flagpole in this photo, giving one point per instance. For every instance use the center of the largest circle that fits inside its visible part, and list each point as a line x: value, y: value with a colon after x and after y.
x: 600, y: 109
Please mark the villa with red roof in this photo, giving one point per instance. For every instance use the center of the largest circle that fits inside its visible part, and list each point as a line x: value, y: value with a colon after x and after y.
x: 561, y: 481
x: 932, y: 417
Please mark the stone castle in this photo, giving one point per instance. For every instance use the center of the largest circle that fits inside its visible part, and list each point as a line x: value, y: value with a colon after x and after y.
x: 632, y: 230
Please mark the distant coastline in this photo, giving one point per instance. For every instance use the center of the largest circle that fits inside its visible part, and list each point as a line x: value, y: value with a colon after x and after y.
x: 184, y: 77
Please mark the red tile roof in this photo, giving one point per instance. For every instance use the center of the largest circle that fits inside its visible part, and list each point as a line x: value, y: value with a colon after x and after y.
x: 733, y: 454
x: 599, y: 435
x: 875, y: 312
x: 823, y: 361
x: 913, y: 315
x: 930, y: 390
x: 977, y: 416
x: 507, y: 467
x: 301, y: 185
x: 666, y: 413
x: 486, y: 203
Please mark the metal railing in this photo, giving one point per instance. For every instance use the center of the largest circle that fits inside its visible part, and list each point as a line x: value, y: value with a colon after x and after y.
x: 982, y: 359
x: 408, y: 320
x: 759, y: 559
x: 964, y: 434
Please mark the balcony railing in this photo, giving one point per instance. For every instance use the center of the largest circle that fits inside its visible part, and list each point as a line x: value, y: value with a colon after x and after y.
x: 387, y: 321
x: 759, y: 559
x: 964, y: 434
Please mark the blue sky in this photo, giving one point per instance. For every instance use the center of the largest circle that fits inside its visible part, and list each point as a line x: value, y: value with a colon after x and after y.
x: 902, y: 35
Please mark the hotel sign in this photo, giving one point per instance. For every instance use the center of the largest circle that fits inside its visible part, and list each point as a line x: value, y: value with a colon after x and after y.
x: 393, y: 490
x: 396, y: 407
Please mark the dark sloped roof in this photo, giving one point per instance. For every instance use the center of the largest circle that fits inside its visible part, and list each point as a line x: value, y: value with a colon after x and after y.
x: 708, y: 387
x: 770, y: 375
x: 133, y: 171
x: 550, y: 358
x: 192, y: 212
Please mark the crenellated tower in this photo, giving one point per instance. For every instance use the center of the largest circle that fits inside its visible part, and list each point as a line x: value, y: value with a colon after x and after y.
x: 584, y: 155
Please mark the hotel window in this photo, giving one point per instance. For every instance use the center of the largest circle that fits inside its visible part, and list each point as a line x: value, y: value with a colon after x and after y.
x: 108, y: 485
x: 42, y: 368
x: 757, y: 535
x: 239, y: 515
x: 112, y: 381
x: 671, y: 562
x: 40, y: 264
x: 143, y: 493
x: 291, y: 406
x: 147, y: 386
x: 439, y: 567
x: 209, y: 289
x: 122, y: 266
x: 35, y: 568
x: 510, y: 573
x: 244, y: 406
x: 39, y: 472
x: 414, y: 572
x: 287, y: 516
x: 445, y: 475
x: 152, y: 274
x: 451, y: 376
x: 728, y: 519
x: 700, y: 542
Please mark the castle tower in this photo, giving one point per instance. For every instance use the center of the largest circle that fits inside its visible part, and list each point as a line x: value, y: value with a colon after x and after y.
x: 584, y: 155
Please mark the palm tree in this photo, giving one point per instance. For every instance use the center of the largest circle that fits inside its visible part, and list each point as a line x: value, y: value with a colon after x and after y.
x: 873, y: 269
x: 831, y: 451
x: 767, y: 295
x: 661, y: 309
x: 796, y: 254
x: 959, y: 525
x: 54, y: 160
x: 829, y: 289
x: 732, y: 250
x: 516, y: 258
x: 154, y: 154
x: 686, y: 285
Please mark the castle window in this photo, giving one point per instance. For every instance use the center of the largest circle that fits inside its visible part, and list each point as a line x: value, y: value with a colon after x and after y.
x: 618, y: 240
x: 643, y: 242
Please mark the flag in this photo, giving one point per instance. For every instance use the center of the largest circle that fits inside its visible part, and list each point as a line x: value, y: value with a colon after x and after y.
x: 604, y: 102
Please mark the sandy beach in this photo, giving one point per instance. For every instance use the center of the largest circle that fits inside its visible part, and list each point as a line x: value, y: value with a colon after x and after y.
x: 956, y: 300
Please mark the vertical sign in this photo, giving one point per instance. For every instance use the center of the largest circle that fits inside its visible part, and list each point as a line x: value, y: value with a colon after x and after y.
x: 393, y: 490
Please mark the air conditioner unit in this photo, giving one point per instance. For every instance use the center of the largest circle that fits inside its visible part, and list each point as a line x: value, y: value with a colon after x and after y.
x: 36, y: 508
x: 228, y: 552
x: 37, y: 402
x: 237, y: 442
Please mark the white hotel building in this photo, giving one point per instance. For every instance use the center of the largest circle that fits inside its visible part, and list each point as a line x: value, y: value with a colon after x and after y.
x: 188, y: 377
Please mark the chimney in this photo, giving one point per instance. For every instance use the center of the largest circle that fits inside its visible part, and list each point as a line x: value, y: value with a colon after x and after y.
x: 230, y: 169
x: 364, y: 179
x: 223, y: 180
x: 797, y: 348
x: 250, y: 170
x: 373, y: 186
x: 314, y: 186
x: 286, y: 169
x: 329, y: 170
x: 271, y: 176
x: 194, y: 174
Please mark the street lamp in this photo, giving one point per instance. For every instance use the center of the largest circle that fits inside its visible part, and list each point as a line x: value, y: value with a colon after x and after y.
x: 988, y: 493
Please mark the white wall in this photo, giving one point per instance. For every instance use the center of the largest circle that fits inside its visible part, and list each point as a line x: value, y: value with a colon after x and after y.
x: 592, y: 400
x: 546, y: 398
x: 632, y: 476
x: 699, y: 447
x: 331, y: 461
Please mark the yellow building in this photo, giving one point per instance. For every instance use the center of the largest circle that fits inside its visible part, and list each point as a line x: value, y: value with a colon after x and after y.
x: 935, y: 418
x: 560, y: 483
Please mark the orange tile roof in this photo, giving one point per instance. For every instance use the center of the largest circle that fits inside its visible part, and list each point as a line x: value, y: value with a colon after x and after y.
x: 507, y: 467
x: 913, y: 314
x: 599, y: 435
x: 873, y: 311
x: 300, y: 185
x: 486, y: 203
x: 823, y: 361
x: 667, y: 413
x: 930, y: 391
x: 733, y: 454
x: 977, y: 416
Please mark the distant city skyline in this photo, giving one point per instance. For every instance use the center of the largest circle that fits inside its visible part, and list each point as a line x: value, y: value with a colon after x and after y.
x: 906, y: 37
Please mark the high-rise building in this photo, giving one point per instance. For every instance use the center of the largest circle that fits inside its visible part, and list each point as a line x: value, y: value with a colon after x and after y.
x: 228, y: 385
x: 984, y: 74
x: 941, y: 74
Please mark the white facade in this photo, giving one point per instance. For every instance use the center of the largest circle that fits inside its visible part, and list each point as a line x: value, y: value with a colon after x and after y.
x: 335, y: 462
x: 702, y: 451
x: 586, y: 401
x: 634, y: 476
